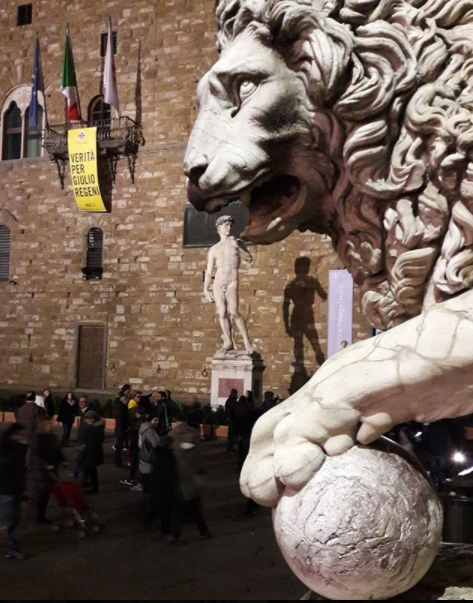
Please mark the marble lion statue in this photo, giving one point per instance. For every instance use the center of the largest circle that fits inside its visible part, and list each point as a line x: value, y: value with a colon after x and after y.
x: 352, y: 118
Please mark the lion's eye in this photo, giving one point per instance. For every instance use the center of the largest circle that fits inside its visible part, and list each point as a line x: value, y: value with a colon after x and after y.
x: 247, y: 88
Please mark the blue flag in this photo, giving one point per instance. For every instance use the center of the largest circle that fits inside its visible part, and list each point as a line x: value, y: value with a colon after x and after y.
x: 36, y: 87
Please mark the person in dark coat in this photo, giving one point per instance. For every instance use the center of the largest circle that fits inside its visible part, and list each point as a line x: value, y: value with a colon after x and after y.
x: 93, y: 453
x: 122, y: 423
x: 140, y: 418
x: 165, y: 410
x: 67, y: 415
x: 187, y: 452
x: 162, y: 486
x: 30, y: 415
x: 84, y: 407
x: 250, y: 399
x: 194, y: 413
x: 230, y: 415
x: 46, y: 456
x: 20, y: 401
x: 13, y: 446
x: 48, y: 403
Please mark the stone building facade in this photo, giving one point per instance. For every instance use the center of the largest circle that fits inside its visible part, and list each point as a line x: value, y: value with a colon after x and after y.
x: 158, y: 330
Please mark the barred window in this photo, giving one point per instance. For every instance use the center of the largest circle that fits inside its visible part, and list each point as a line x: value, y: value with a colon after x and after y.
x: 25, y: 15
x: 99, y: 111
x: 12, y: 132
x: 200, y: 229
x: 104, y: 42
x: 5, y: 243
x: 94, y: 266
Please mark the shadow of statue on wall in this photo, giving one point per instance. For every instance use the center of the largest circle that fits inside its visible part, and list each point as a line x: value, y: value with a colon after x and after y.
x: 299, y: 319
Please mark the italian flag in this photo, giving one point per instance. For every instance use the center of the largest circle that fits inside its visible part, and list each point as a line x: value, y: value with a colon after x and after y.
x: 69, y: 83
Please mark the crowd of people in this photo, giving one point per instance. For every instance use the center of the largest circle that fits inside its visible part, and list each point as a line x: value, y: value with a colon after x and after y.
x: 163, y: 463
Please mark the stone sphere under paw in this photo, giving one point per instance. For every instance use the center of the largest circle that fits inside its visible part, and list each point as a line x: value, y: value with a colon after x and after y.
x: 367, y: 526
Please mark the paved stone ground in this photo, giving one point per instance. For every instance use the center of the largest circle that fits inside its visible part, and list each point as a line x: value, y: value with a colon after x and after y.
x: 127, y: 563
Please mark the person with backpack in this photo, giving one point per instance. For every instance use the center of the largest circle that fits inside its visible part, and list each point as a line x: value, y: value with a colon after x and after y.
x: 165, y: 414
x: 148, y: 440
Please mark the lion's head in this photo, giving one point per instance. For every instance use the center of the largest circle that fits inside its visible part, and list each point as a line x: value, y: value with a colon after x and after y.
x: 352, y: 118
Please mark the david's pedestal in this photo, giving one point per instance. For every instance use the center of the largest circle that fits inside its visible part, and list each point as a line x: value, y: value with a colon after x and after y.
x: 236, y: 370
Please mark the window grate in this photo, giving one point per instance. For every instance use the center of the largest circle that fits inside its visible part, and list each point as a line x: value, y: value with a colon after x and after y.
x: 99, y: 111
x: 25, y: 15
x: 199, y: 227
x: 12, y: 136
x: 104, y: 42
x: 5, y: 243
x: 94, y: 269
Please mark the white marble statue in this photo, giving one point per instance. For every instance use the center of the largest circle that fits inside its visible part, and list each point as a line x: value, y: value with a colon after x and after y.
x: 352, y: 118
x: 224, y: 261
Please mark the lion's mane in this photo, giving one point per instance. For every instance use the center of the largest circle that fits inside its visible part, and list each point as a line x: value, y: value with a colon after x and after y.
x: 396, y: 78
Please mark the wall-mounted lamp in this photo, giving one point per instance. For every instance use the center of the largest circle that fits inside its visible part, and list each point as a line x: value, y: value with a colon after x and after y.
x: 158, y: 369
x: 113, y: 368
x: 205, y: 372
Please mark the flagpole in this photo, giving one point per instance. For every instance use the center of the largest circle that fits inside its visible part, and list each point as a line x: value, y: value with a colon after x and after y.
x: 42, y: 79
x: 77, y: 83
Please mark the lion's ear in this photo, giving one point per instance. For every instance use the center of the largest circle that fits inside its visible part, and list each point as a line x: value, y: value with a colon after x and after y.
x: 384, y: 67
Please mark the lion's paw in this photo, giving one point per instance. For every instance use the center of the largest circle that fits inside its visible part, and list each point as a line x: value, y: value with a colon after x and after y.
x: 289, y: 446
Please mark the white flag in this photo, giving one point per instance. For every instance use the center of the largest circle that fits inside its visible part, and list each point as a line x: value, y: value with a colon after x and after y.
x: 110, y: 89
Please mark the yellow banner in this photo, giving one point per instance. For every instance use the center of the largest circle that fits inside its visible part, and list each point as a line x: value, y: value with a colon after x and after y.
x: 84, y: 175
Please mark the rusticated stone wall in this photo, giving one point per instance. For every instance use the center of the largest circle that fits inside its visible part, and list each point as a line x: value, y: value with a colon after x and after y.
x: 160, y: 331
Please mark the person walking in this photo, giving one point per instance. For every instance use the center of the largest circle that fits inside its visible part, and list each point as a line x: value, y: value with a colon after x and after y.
x: 67, y: 415
x: 93, y: 452
x: 13, y: 446
x: 230, y: 414
x: 162, y: 486
x: 187, y: 452
x: 46, y: 456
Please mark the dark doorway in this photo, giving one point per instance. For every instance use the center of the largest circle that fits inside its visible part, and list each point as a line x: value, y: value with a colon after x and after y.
x: 299, y: 319
x: 91, y: 359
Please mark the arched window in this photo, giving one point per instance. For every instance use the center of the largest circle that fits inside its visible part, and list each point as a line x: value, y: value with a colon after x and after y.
x: 5, y: 243
x: 34, y: 135
x: 12, y: 132
x: 99, y: 111
x: 19, y: 140
x: 94, y: 265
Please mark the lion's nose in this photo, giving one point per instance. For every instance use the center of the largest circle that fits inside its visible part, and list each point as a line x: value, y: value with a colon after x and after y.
x: 195, y: 168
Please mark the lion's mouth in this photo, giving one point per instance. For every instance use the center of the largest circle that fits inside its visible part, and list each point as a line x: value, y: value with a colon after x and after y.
x: 271, y: 204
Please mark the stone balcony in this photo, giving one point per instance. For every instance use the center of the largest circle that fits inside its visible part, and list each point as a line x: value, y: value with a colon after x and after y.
x: 116, y: 138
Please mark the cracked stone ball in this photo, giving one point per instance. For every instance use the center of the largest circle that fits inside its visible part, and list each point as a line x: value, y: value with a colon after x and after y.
x: 367, y: 526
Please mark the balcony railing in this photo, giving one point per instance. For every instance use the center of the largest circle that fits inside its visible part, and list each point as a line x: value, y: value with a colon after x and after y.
x: 115, y: 138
